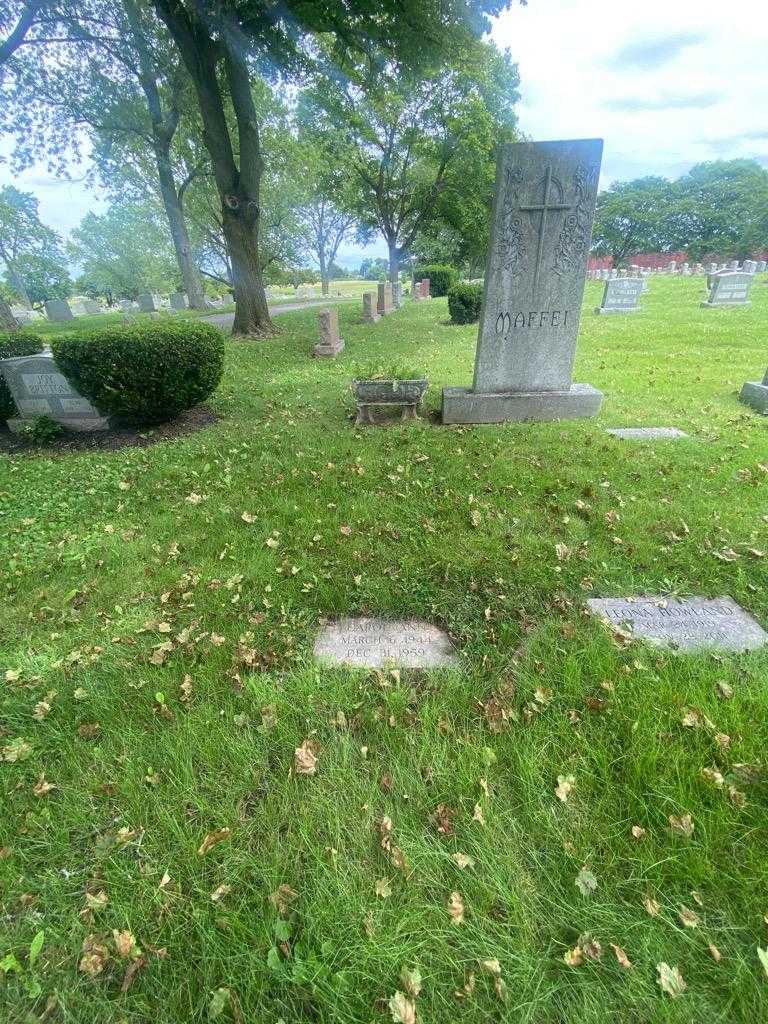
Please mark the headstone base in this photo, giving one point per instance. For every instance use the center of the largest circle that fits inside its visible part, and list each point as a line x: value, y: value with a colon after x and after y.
x: 462, y: 405
x: 327, y: 351
x: 719, y: 305
x: 755, y: 394
x: 17, y: 424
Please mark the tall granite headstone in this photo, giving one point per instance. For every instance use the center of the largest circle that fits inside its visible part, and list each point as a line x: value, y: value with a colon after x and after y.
x: 384, y: 302
x: 370, y: 315
x: 622, y: 295
x: 541, y: 229
x: 58, y: 309
x: 729, y: 289
x: 39, y: 388
x: 178, y: 300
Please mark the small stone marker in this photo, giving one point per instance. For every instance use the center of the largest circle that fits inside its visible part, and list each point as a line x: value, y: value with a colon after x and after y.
x: 370, y: 316
x: 397, y: 295
x: 91, y: 307
x: 39, y: 388
x: 384, y: 302
x: 646, y: 433
x: 330, y: 343
x: 541, y: 228
x: 147, y: 303
x: 729, y: 289
x: 687, y: 623
x: 58, y: 309
x: 378, y: 643
x: 424, y: 285
x: 621, y: 295
x: 755, y: 393
x: 178, y: 300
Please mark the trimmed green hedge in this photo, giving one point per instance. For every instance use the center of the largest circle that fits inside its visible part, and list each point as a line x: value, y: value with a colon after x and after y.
x: 143, y: 373
x: 15, y: 343
x: 440, y: 275
x: 464, y: 302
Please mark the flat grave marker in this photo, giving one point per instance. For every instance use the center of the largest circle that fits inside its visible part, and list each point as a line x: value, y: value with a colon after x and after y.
x: 729, y: 289
x: 755, y: 393
x: 58, y: 309
x: 379, y: 643
x: 646, y: 433
x: 689, y: 623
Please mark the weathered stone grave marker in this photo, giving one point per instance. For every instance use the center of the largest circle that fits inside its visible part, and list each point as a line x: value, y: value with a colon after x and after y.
x: 178, y: 300
x: 147, y: 303
x: 384, y: 302
x: 39, y: 388
x: 621, y: 295
x: 646, y: 433
x: 370, y: 315
x: 755, y: 393
x: 378, y: 643
x: 541, y: 228
x: 687, y: 623
x: 58, y: 309
x: 330, y: 343
x: 729, y: 289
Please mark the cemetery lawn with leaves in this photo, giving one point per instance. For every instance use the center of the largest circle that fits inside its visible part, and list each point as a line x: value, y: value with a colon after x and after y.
x: 205, y: 824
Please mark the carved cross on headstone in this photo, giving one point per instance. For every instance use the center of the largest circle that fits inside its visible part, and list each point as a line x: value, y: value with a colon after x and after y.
x: 543, y: 209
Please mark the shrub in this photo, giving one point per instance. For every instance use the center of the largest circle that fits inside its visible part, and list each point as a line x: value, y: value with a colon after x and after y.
x: 440, y: 275
x: 15, y: 343
x: 146, y: 372
x: 464, y: 302
x: 43, y: 430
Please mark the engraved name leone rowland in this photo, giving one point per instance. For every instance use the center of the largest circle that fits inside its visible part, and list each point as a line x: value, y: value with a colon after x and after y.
x: 532, y: 217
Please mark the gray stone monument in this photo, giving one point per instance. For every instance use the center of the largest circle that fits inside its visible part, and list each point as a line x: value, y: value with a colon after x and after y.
x: 541, y: 229
x: 729, y: 289
x: 147, y: 303
x: 688, y: 623
x: 178, y: 300
x: 58, y: 309
x: 91, y: 307
x: 377, y: 643
x: 397, y: 295
x: 621, y: 296
x: 755, y: 393
x: 330, y: 343
x: 39, y: 388
x: 384, y: 301
x: 370, y: 314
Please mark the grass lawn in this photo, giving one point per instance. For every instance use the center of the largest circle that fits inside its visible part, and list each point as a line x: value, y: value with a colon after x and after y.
x: 156, y: 652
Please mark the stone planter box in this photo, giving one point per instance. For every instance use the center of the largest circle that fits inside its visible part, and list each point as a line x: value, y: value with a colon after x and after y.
x: 403, y: 394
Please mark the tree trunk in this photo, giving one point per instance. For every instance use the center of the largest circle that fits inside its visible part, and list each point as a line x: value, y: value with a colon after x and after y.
x: 8, y: 321
x: 16, y: 281
x: 251, y: 311
x: 394, y: 262
x: 190, y: 275
x: 325, y: 284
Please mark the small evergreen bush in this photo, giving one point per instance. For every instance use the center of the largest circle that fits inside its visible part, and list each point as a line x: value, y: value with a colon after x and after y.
x: 464, y: 302
x: 146, y: 372
x: 440, y: 275
x: 15, y: 343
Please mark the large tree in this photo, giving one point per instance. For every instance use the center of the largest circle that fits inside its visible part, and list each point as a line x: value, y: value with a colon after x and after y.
x: 112, y: 74
x: 223, y: 43
x: 415, y: 139
x: 35, y: 266
x: 633, y: 217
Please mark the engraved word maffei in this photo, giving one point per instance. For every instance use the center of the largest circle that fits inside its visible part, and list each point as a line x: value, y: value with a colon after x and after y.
x: 541, y: 231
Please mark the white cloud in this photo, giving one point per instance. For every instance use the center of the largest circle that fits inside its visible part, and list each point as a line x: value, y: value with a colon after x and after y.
x: 665, y: 84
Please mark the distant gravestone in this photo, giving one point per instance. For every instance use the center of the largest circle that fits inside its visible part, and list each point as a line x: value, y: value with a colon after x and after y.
x: 39, y: 388
x: 58, y: 309
x: 686, y: 623
x: 330, y: 343
x: 541, y: 229
x: 621, y: 296
x: 397, y: 295
x: 733, y: 265
x: 384, y: 301
x: 178, y: 300
x: 378, y: 643
x: 646, y: 433
x: 147, y: 303
x: 729, y: 289
x: 749, y: 266
x: 755, y: 393
x: 370, y: 314
x: 424, y: 287
x: 91, y: 307
x: 761, y: 265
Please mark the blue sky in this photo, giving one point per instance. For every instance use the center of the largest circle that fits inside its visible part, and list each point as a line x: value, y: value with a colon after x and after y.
x: 666, y: 84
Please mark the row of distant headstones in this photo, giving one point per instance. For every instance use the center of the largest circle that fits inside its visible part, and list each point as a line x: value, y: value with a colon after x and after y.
x: 60, y: 309
x: 685, y: 269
